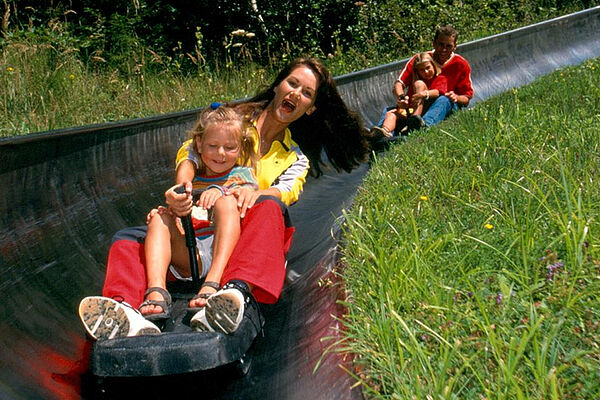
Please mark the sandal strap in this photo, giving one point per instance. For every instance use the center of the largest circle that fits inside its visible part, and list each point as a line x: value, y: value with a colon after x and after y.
x: 166, y: 296
x: 202, y: 296
x: 211, y: 284
x: 160, y: 303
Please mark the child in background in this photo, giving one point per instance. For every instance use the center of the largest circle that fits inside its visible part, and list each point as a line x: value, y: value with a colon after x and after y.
x: 427, y: 86
x: 224, y: 155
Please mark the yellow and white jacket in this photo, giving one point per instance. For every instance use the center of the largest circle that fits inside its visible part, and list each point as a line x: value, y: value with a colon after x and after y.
x: 284, y: 167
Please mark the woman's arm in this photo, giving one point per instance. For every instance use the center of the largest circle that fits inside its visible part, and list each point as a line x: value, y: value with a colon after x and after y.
x: 247, y: 197
x: 291, y: 182
x: 287, y: 186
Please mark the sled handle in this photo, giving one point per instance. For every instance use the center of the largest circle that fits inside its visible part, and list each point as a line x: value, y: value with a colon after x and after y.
x: 190, y: 238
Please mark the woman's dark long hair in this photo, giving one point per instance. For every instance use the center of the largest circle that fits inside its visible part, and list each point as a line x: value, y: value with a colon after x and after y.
x: 331, y: 127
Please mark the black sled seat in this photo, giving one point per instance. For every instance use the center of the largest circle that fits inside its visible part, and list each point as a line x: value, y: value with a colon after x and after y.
x: 168, y: 354
x: 177, y: 350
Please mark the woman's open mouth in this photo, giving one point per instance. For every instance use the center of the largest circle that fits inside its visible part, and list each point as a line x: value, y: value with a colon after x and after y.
x: 288, y: 106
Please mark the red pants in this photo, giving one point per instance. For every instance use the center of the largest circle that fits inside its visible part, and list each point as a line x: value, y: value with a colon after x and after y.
x: 258, y: 257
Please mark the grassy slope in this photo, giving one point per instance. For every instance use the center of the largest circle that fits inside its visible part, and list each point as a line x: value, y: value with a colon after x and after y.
x: 472, y: 254
x: 44, y: 85
x: 42, y: 88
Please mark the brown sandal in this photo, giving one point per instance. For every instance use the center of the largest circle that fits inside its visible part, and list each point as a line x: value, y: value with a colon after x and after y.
x: 211, y: 284
x: 165, y: 304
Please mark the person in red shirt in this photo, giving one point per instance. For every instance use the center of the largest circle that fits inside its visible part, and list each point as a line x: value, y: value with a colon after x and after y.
x: 455, y: 68
x: 427, y: 85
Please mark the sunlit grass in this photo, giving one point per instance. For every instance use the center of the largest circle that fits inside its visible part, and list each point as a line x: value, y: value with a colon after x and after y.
x: 42, y: 88
x: 50, y: 80
x: 472, y: 256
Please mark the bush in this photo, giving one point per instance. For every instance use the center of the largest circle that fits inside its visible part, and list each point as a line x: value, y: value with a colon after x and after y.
x: 184, y: 35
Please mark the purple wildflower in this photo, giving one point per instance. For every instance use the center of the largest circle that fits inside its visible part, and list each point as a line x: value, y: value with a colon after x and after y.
x: 553, y: 270
x: 499, y: 298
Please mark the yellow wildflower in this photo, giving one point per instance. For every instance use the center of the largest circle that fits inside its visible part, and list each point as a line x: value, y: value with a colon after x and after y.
x: 72, y: 77
x: 488, y: 226
x: 10, y: 69
x: 423, y: 198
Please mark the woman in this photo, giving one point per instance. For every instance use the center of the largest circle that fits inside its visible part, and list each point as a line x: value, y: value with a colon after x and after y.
x: 303, y: 99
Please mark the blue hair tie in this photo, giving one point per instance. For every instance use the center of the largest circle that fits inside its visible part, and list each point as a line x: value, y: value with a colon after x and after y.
x: 215, y: 105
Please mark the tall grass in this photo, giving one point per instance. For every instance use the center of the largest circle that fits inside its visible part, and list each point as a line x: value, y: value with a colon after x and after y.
x: 44, y: 86
x: 50, y: 78
x: 472, y: 252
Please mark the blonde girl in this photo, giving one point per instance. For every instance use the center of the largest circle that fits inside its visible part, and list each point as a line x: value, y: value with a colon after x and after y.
x: 427, y: 85
x: 223, y: 152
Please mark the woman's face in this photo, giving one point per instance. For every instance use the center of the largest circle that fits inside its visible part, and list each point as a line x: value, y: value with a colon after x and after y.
x: 295, y: 95
x: 219, y: 148
x: 425, y: 70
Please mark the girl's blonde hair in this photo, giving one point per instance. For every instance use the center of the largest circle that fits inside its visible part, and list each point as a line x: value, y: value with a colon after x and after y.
x: 421, y: 59
x: 224, y: 115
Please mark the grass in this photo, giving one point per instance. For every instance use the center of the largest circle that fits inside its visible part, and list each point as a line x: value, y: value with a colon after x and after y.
x: 472, y: 254
x: 45, y: 85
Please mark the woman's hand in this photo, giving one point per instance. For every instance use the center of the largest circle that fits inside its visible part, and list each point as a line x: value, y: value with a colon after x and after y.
x: 209, y: 197
x: 246, y: 198
x: 180, y: 204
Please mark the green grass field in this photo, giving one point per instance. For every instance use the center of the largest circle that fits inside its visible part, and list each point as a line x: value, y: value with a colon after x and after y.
x: 44, y: 88
x: 471, y: 258
x: 49, y: 81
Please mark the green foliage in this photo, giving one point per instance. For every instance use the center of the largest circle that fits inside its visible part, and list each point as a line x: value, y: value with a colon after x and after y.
x: 138, y: 57
x: 472, y: 252
x: 122, y: 32
x: 115, y: 30
x: 392, y: 29
x: 46, y: 86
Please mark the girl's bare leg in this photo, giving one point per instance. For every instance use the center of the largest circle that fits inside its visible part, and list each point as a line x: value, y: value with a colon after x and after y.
x: 418, y: 86
x: 163, y: 242
x: 390, y: 120
x: 227, y: 233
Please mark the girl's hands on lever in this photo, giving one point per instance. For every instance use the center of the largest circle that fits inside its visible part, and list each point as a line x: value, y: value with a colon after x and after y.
x: 180, y: 204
